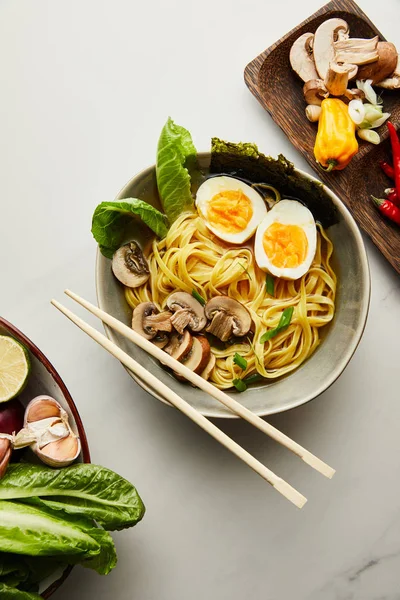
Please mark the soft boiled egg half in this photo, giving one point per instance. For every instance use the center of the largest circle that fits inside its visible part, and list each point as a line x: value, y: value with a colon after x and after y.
x: 286, y: 240
x: 231, y: 209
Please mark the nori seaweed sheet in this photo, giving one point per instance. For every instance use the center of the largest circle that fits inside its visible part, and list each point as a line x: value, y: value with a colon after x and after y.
x: 244, y: 161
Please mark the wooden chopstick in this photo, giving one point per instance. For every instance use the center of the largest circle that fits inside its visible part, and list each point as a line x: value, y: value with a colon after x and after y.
x: 208, y: 387
x: 279, y: 484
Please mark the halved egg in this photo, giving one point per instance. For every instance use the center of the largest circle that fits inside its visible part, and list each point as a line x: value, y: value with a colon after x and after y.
x: 286, y: 240
x: 231, y: 209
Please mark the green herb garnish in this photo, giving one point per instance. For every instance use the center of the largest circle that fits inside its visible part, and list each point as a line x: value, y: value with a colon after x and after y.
x: 255, y: 378
x: 240, y: 361
x: 283, y: 324
x: 198, y: 297
x: 246, y: 271
x: 239, y: 385
x: 270, y: 284
x: 254, y: 350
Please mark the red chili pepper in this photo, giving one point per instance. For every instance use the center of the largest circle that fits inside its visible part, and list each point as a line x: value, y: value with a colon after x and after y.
x: 387, y: 208
x: 394, y: 138
x: 387, y: 169
x: 391, y: 195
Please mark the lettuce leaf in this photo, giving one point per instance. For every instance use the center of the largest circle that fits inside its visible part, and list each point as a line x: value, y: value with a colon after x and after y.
x: 110, y: 220
x: 174, y: 152
x: 82, y: 489
x: 29, y: 530
x: 12, y: 593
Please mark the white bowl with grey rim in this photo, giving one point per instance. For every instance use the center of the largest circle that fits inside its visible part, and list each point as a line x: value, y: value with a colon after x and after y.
x: 339, y: 340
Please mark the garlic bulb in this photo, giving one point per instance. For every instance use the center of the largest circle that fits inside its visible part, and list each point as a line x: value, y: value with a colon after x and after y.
x: 47, y: 431
x: 313, y: 112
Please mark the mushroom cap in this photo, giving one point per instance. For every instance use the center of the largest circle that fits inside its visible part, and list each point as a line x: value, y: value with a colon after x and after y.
x: 315, y: 91
x: 188, y: 312
x: 205, y: 374
x: 228, y: 316
x: 301, y: 58
x: 383, y: 67
x: 143, y: 310
x: 130, y: 266
x: 198, y: 357
x: 179, y: 345
x: 323, y: 49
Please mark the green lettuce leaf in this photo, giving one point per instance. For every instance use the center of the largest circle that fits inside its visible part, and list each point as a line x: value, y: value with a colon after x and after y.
x: 111, y: 219
x: 25, y: 572
x: 244, y: 160
x: 82, y: 489
x: 175, y: 152
x: 29, y: 530
x: 12, y: 593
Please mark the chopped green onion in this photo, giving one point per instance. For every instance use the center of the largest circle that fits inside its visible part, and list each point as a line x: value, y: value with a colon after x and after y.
x: 246, y: 271
x: 283, y: 324
x: 270, y: 284
x: 198, y: 297
x: 240, y: 361
x: 255, y: 378
x: 369, y: 135
x: 239, y: 385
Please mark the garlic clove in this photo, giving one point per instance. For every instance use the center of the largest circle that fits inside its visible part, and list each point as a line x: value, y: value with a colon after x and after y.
x: 313, y: 112
x: 5, y: 454
x: 42, y: 407
x: 60, y: 453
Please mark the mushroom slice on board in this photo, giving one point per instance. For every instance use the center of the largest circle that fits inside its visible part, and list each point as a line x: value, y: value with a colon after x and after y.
x: 384, y: 67
x: 337, y: 78
x: 130, y: 266
x: 179, y: 345
x: 315, y: 91
x: 301, y: 57
x: 323, y: 48
x: 392, y: 82
x: 188, y: 312
x: 228, y: 318
x: 147, y: 321
x: 356, y: 51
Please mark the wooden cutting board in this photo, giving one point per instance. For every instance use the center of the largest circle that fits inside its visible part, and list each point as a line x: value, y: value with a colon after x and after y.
x: 275, y: 85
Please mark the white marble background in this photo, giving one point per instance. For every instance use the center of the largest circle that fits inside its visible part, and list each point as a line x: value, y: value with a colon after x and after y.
x: 85, y: 89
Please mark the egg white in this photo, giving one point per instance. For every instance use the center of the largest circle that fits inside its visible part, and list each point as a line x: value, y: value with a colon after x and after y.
x: 288, y: 212
x: 215, y: 185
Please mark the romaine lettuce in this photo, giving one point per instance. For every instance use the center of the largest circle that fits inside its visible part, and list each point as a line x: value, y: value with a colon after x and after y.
x: 12, y: 593
x: 175, y: 150
x: 110, y: 220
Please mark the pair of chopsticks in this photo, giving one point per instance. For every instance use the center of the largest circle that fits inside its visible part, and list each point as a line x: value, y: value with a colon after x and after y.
x: 279, y: 484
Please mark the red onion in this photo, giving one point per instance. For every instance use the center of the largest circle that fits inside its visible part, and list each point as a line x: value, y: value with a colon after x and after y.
x: 11, y: 416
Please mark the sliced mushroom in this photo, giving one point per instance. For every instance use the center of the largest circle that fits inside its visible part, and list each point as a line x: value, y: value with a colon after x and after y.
x: 147, y: 321
x: 356, y: 51
x: 315, y: 91
x: 179, y: 345
x: 228, y: 317
x: 301, y: 57
x: 161, y: 340
x: 323, y: 50
x: 188, y: 312
x: 206, y: 374
x: 130, y: 266
x: 337, y: 78
x: 392, y: 82
x: 198, y: 357
x: 353, y: 94
x: 383, y: 67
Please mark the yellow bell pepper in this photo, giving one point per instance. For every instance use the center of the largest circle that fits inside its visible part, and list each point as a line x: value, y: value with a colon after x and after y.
x: 336, y: 142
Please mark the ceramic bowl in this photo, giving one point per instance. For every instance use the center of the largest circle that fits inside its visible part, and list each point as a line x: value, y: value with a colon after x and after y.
x: 44, y: 379
x: 315, y: 375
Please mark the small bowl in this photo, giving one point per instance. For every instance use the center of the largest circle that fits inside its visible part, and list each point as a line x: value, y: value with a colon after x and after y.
x: 44, y: 379
x: 316, y: 374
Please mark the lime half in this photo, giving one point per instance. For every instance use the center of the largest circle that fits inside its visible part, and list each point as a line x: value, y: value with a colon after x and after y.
x: 14, y: 367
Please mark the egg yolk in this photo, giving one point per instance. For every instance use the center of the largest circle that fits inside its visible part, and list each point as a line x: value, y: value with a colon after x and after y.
x: 229, y: 211
x: 285, y: 245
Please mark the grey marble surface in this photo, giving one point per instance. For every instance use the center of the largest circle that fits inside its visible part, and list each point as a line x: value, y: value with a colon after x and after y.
x: 86, y: 87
